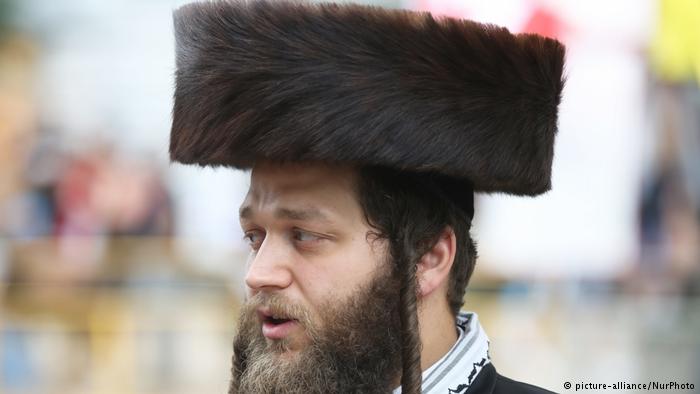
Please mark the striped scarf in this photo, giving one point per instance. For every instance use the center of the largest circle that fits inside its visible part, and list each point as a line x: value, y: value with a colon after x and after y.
x: 457, y: 369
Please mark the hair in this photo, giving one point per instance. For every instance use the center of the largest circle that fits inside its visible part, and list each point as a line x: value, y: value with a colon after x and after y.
x: 411, y: 210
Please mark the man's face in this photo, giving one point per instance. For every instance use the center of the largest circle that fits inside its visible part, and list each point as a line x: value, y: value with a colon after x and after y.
x: 321, y: 297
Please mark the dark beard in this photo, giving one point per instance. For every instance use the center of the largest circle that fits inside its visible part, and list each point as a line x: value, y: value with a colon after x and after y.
x: 357, y: 349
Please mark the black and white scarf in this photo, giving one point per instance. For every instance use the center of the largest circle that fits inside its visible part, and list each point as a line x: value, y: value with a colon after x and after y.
x: 456, y: 370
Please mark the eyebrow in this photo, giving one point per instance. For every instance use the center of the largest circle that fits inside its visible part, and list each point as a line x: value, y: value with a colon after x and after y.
x: 306, y: 214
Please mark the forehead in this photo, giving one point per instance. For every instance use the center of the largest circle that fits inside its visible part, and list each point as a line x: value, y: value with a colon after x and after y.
x: 320, y: 187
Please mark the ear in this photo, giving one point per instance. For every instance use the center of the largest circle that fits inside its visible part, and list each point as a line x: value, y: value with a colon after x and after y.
x: 433, y: 269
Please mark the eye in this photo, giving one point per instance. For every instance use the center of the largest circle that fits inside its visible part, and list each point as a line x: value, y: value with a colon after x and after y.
x: 254, y: 238
x: 304, y: 236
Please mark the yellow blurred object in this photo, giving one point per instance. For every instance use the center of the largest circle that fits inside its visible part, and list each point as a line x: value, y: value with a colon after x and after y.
x: 113, y: 345
x: 675, y: 48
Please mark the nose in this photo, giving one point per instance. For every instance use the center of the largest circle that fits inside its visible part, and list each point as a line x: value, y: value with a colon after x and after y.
x: 269, y: 269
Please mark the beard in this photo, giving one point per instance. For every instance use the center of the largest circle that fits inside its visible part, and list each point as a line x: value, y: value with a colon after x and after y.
x: 355, y: 349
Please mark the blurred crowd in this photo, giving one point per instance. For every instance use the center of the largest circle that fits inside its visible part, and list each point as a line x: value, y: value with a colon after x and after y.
x: 53, y: 187
x: 669, y: 200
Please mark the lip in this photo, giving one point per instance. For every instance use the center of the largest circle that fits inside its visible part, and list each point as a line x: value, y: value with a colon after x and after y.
x: 275, y: 331
x: 278, y: 331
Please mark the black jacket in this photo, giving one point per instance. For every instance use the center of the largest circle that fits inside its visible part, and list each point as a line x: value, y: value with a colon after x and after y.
x: 488, y: 381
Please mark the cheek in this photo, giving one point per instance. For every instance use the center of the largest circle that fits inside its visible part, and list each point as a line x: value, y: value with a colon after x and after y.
x: 339, y: 274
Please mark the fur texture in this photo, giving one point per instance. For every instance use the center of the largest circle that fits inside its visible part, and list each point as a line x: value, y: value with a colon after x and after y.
x: 294, y: 81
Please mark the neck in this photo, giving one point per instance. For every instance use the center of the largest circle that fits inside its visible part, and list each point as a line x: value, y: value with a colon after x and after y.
x: 438, y: 332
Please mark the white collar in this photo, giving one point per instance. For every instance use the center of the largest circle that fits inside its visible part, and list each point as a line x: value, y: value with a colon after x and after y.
x: 458, y: 368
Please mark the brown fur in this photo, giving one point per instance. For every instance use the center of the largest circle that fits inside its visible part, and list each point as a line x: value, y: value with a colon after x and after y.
x: 293, y: 81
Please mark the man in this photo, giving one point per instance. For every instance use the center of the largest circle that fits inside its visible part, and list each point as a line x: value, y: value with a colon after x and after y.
x: 367, y: 131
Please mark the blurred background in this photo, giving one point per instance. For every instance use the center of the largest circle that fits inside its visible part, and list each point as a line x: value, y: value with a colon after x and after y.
x: 122, y: 273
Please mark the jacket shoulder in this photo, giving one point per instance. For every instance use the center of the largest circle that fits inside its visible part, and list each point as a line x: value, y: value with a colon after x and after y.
x: 488, y: 381
x: 505, y: 385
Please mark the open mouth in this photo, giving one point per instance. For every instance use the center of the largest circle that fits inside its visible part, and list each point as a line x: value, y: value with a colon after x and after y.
x: 276, y: 326
x: 276, y: 320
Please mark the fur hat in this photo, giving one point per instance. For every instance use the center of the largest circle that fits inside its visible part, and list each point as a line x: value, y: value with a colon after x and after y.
x: 347, y: 83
